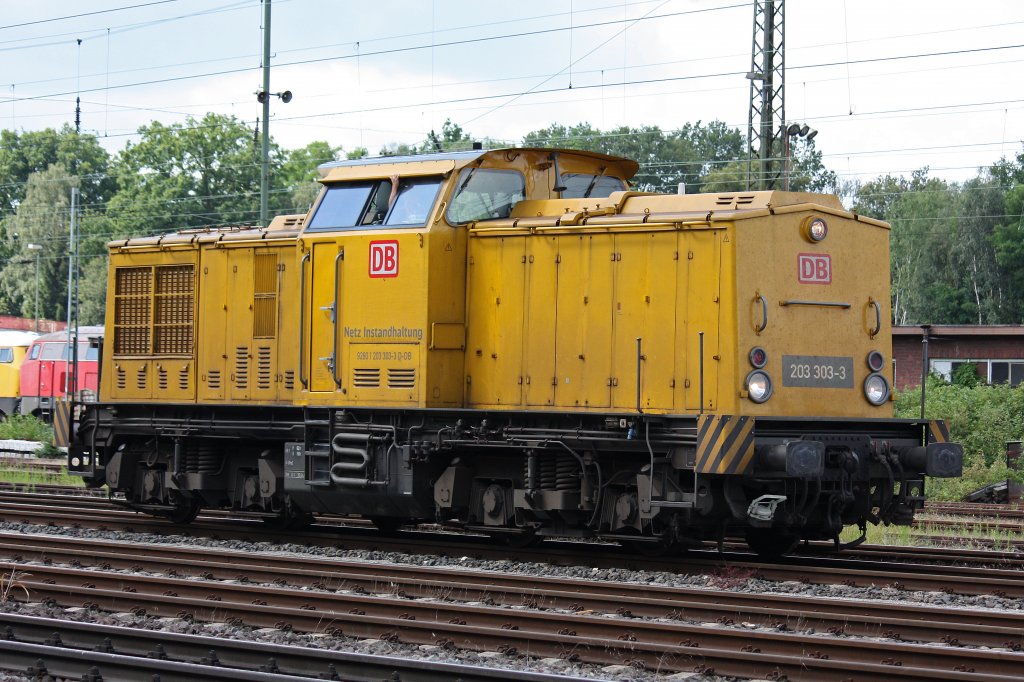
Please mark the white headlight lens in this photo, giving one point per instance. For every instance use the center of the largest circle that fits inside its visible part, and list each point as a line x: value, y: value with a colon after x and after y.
x: 876, y: 389
x: 759, y: 386
x: 817, y: 229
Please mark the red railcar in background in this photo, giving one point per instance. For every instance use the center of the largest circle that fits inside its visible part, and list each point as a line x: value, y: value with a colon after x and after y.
x: 44, y: 372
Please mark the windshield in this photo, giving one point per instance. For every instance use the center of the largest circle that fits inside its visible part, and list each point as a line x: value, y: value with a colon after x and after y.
x: 370, y: 203
x: 485, y: 194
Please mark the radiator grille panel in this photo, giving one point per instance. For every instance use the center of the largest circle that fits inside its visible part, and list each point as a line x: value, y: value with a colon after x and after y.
x: 154, y: 310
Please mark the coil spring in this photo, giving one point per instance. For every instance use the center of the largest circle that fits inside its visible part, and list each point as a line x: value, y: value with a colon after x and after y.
x: 202, y: 459
x: 554, y: 471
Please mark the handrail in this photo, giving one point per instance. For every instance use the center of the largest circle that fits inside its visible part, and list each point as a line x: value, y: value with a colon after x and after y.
x: 337, y: 314
x: 302, y: 321
x: 764, y: 308
x: 878, y: 317
x: 823, y: 304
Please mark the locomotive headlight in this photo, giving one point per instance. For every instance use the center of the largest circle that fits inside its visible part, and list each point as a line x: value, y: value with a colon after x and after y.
x: 759, y: 386
x: 816, y: 229
x: 876, y: 361
x: 876, y: 389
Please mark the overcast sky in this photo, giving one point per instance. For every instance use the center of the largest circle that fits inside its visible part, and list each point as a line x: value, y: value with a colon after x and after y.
x: 891, y: 85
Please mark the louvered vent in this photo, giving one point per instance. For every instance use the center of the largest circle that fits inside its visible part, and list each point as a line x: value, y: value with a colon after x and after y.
x: 263, y: 374
x: 364, y: 377
x: 141, y: 378
x: 213, y: 378
x: 264, y: 304
x: 736, y: 200
x: 183, y: 378
x: 121, y: 378
x: 241, y: 367
x: 289, y: 380
x: 401, y: 378
x: 161, y: 378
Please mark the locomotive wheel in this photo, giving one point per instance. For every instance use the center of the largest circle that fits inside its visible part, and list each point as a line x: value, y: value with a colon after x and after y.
x: 769, y: 543
x: 653, y: 550
x: 184, y: 511
x: 290, y: 518
x: 523, y: 540
x: 387, y: 525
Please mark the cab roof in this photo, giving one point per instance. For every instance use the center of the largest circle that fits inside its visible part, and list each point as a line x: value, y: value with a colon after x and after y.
x: 445, y: 161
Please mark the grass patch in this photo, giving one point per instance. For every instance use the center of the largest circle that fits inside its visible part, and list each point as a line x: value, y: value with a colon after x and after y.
x: 969, y: 533
x: 28, y: 476
x: 26, y: 427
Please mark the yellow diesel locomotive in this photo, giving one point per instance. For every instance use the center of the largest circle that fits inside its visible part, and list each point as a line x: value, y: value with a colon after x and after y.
x: 514, y: 342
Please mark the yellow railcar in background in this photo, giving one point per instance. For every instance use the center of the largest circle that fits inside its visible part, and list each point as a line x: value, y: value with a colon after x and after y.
x: 514, y: 341
x: 13, y: 348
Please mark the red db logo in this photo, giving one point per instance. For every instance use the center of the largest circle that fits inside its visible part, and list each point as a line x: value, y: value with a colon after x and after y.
x: 814, y: 268
x: 384, y: 259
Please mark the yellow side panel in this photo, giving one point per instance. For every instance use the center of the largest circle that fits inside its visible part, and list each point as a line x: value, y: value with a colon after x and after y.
x: 699, y: 282
x: 133, y: 379
x: 645, y: 308
x: 239, y: 322
x: 211, y: 344
x: 583, y: 362
x: 151, y: 318
x: 542, y: 282
x: 288, y: 307
x: 383, y: 372
x: 266, y: 286
x: 9, y: 376
x: 496, y: 281
x: 321, y: 317
x: 175, y: 379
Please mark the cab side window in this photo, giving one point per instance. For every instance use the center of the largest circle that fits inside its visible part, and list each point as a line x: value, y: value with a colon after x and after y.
x: 485, y: 194
x: 34, y: 353
x: 6, y: 355
x: 415, y: 199
x: 586, y: 185
x: 54, y: 351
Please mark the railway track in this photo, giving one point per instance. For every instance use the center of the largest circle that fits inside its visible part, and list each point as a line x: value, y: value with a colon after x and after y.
x: 665, y: 629
x: 43, y: 647
x: 904, y: 568
x: 861, y: 618
x: 714, y: 628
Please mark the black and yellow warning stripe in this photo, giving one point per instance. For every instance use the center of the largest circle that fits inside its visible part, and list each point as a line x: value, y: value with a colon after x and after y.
x: 62, y: 422
x: 938, y: 432
x: 725, y: 444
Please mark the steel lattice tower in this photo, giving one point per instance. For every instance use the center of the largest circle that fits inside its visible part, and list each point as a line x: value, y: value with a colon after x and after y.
x: 767, y: 115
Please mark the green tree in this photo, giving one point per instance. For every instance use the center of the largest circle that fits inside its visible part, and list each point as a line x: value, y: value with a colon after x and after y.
x: 42, y: 218
x: 192, y: 174
x: 22, y: 154
x: 688, y: 155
